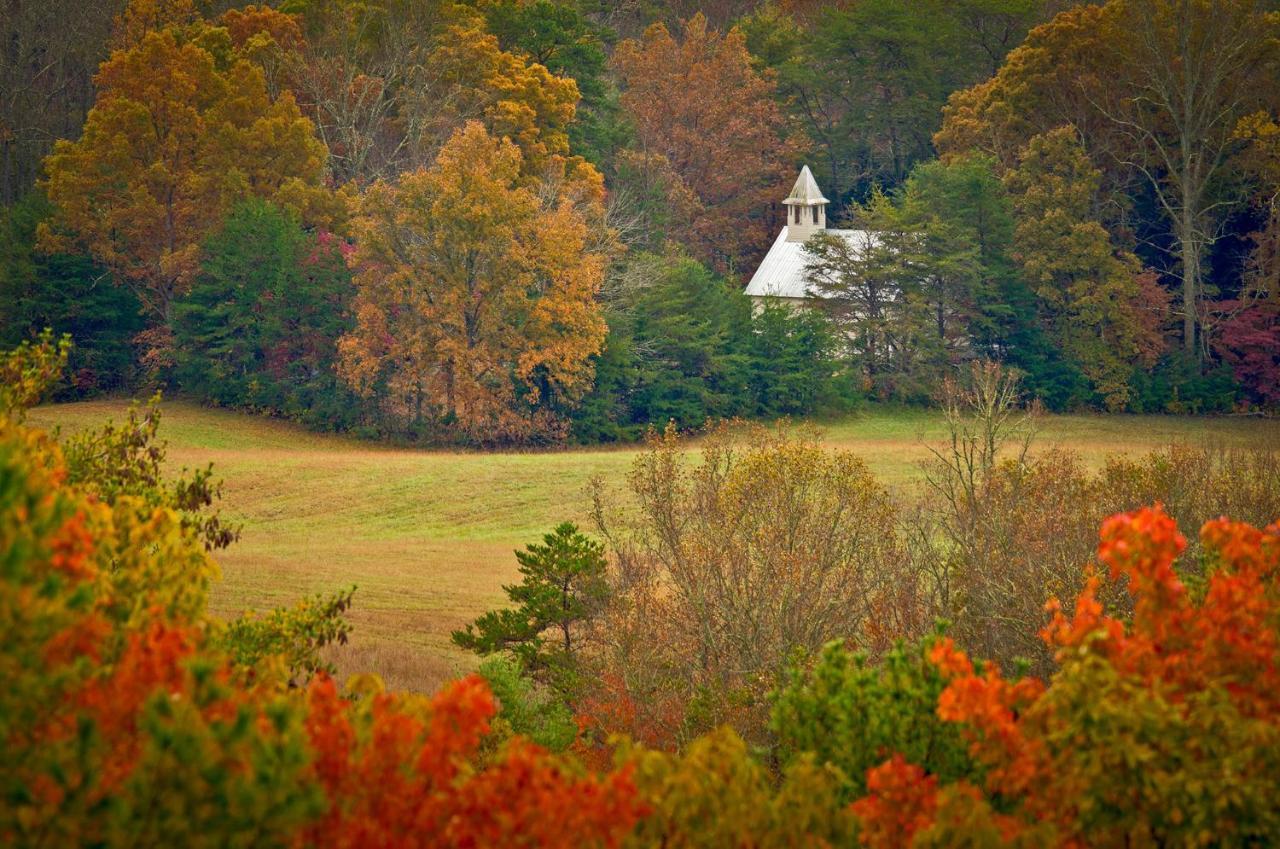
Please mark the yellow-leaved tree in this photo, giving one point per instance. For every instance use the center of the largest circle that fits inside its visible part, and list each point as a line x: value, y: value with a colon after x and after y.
x: 183, y: 127
x: 476, y: 313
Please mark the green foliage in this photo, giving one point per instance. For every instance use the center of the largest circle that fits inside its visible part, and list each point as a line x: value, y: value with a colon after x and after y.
x: 527, y: 708
x: 259, y: 329
x: 297, y: 635
x: 685, y: 346
x: 69, y: 294
x: 853, y: 714
x: 867, y: 81
x: 675, y: 351
x: 127, y: 461
x: 794, y: 365
x: 562, y: 587
x: 28, y: 372
x: 689, y: 327
x: 715, y: 793
x: 1180, y: 383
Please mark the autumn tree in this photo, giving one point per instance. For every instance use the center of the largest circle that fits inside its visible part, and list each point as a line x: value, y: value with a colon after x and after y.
x: 1158, y: 728
x: 1250, y: 322
x: 475, y: 309
x: 728, y: 151
x: 1089, y: 291
x: 767, y: 545
x: 128, y: 716
x: 1194, y: 70
x: 559, y: 36
x: 387, y: 84
x: 714, y: 792
x: 1157, y: 88
x: 139, y: 17
x: 182, y: 128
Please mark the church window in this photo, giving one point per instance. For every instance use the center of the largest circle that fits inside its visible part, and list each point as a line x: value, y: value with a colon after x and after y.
x: 815, y: 215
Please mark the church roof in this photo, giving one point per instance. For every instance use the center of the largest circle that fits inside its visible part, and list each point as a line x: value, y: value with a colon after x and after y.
x: 805, y: 192
x: 782, y: 273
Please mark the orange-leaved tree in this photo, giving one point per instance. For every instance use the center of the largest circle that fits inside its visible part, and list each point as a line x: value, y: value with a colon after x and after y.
x: 125, y: 725
x: 476, y: 310
x: 1160, y: 731
x: 698, y: 104
x: 183, y: 127
x: 387, y: 84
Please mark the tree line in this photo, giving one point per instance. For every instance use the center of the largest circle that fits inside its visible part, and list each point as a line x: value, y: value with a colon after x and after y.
x: 523, y: 220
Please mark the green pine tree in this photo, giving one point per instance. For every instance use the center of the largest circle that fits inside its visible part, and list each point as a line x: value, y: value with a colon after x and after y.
x: 563, y: 585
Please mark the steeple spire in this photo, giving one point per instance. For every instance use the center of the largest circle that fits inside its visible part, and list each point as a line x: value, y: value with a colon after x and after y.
x: 806, y: 208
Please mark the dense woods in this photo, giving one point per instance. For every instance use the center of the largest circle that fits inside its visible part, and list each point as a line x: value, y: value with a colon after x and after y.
x: 1083, y: 192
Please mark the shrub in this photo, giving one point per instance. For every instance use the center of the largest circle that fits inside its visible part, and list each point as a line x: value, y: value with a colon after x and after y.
x: 125, y: 724
x: 852, y: 714
x: 1160, y: 731
x: 716, y: 794
x: 526, y: 708
x: 768, y: 544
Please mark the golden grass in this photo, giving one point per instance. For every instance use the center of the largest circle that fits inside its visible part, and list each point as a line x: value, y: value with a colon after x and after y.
x: 428, y: 535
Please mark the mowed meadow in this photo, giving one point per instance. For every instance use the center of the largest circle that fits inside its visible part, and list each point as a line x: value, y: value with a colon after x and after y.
x: 428, y: 535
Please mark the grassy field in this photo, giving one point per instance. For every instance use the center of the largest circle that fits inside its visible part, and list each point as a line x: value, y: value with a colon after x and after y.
x: 428, y: 535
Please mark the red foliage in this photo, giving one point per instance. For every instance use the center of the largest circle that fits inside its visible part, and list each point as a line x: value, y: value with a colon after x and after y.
x: 406, y: 782
x: 1250, y: 342
x: 1230, y: 635
x: 901, y: 800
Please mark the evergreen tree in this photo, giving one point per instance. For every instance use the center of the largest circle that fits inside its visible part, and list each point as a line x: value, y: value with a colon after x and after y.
x: 794, y: 363
x: 563, y: 584
x: 69, y: 294
x: 260, y: 327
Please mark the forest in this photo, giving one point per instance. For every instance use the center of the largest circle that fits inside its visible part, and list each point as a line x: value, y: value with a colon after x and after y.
x: 472, y: 227
x: 524, y: 221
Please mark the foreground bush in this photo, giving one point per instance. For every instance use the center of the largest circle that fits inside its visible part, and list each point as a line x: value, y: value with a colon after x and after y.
x: 1160, y: 731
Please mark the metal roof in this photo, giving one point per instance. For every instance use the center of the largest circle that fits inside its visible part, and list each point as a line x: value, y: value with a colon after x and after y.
x: 782, y: 273
x: 805, y: 192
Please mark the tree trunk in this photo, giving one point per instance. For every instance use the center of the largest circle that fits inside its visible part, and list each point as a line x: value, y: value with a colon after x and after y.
x: 1190, y: 271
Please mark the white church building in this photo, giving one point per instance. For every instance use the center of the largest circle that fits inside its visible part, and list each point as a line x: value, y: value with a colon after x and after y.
x: 782, y: 276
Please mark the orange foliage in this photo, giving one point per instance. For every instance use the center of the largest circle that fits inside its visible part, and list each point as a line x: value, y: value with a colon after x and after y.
x: 124, y: 726
x: 1153, y: 732
x: 901, y: 800
x: 476, y: 294
x: 176, y: 136
x: 700, y: 104
x: 407, y: 782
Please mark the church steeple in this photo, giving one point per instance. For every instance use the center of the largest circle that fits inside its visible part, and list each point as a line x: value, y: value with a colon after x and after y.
x: 806, y: 208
